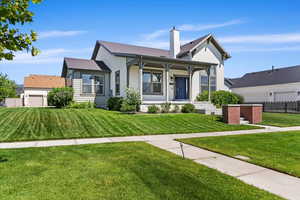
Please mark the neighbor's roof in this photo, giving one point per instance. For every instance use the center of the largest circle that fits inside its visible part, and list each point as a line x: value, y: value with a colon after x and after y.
x: 43, y: 81
x: 119, y: 48
x: 86, y: 64
x: 268, y: 77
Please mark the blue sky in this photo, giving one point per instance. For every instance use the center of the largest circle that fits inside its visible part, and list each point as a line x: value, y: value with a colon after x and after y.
x: 257, y: 33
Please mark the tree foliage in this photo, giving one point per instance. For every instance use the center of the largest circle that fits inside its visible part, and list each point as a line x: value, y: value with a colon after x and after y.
x: 14, y: 13
x: 7, y: 87
x: 60, y: 97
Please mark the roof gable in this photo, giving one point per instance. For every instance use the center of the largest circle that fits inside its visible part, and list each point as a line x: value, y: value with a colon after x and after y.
x: 191, y: 46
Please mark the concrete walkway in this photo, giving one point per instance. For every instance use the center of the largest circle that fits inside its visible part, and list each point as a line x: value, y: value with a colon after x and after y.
x: 281, y: 184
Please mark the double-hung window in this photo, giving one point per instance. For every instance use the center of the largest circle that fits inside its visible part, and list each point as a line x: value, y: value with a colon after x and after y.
x: 117, y: 82
x: 204, y: 80
x: 152, y: 82
x: 87, y: 83
x: 99, y: 85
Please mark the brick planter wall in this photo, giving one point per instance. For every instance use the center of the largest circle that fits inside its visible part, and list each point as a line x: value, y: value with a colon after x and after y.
x: 252, y: 112
x: 231, y: 114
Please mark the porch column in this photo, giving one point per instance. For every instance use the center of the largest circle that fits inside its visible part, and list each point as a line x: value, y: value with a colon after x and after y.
x: 190, y: 69
x: 208, y: 79
x: 167, y: 68
x: 141, y: 66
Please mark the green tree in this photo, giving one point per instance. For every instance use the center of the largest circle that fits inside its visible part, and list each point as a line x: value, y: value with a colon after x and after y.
x: 14, y: 13
x: 7, y: 87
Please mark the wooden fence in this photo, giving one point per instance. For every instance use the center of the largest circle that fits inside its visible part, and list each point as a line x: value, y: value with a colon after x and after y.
x: 281, y: 107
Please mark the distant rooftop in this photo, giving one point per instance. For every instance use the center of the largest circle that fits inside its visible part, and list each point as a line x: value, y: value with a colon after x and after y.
x: 268, y: 77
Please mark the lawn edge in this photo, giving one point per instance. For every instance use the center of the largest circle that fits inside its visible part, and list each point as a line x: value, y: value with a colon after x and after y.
x: 214, y: 151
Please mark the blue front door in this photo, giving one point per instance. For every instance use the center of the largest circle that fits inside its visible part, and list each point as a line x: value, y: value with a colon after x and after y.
x: 181, y: 84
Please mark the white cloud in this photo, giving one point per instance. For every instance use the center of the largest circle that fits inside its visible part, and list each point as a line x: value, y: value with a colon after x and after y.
x: 46, y: 56
x: 264, y: 49
x: 191, y: 27
x: 266, y: 38
x: 202, y: 27
x: 57, y: 33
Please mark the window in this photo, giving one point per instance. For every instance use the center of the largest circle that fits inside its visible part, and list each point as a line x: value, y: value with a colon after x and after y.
x: 99, y: 85
x: 204, y: 80
x: 92, y: 84
x: 152, y: 82
x: 87, y: 83
x: 117, y: 82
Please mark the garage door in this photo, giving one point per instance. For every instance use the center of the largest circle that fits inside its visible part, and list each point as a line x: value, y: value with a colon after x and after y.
x: 35, y: 101
x: 285, y: 96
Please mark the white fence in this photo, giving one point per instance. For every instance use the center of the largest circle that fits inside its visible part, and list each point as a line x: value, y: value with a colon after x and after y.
x: 13, y: 102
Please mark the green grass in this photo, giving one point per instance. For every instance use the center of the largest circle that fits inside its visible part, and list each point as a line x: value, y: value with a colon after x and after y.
x: 18, y: 124
x: 279, y: 151
x: 281, y: 119
x: 114, y: 171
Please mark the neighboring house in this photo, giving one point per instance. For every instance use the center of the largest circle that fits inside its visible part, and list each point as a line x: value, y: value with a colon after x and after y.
x: 177, y: 75
x: 36, y: 88
x: 275, y: 85
x: 227, y: 84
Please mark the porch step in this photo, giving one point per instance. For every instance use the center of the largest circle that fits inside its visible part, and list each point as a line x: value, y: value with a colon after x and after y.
x: 207, y: 108
x: 243, y: 121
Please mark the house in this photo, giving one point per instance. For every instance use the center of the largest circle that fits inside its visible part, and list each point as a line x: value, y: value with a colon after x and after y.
x: 176, y: 75
x: 36, y: 88
x: 274, y: 85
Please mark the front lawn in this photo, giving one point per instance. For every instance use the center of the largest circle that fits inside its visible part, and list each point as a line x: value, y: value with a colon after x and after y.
x: 18, y: 124
x: 115, y: 171
x: 280, y: 150
x: 281, y: 119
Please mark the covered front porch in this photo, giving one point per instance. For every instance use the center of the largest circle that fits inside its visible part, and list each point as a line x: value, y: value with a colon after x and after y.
x: 160, y: 79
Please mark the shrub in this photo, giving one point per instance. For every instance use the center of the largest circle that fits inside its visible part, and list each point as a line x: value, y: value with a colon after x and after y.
x: 132, y: 99
x: 176, y: 109
x: 153, y: 109
x: 165, y: 107
x: 188, y: 108
x: 219, y: 98
x: 60, y: 97
x: 241, y: 98
x: 81, y: 105
x: 114, y: 103
x: 125, y: 107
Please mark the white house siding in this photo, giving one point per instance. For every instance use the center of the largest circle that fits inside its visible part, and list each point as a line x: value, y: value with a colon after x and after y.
x: 270, y: 93
x: 209, y: 53
x: 115, y: 63
x: 77, y: 87
x: 34, y: 92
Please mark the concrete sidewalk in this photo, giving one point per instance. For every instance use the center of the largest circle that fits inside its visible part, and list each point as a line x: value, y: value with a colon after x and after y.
x: 281, y: 184
x: 272, y: 181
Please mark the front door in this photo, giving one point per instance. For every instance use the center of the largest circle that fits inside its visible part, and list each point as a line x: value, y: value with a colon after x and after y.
x: 181, y: 84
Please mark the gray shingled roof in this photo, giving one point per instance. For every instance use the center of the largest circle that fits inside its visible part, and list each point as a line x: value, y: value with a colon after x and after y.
x: 268, y: 77
x: 86, y: 64
x: 114, y: 47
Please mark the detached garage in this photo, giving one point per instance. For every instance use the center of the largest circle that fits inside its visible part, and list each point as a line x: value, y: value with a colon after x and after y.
x: 36, y: 88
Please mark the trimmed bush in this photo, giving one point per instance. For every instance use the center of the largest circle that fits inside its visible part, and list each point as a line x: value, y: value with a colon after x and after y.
x: 176, y: 109
x: 188, y: 108
x: 165, y: 107
x: 219, y: 98
x: 60, y: 97
x: 132, y: 99
x: 153, y: 109
x: 125, y: 107
x: 114, y: 103
x: 81, y: 105
x: 241, y: 98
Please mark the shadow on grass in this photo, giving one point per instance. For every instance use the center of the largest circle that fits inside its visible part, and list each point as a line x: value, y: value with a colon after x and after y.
x: 3, y: 159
